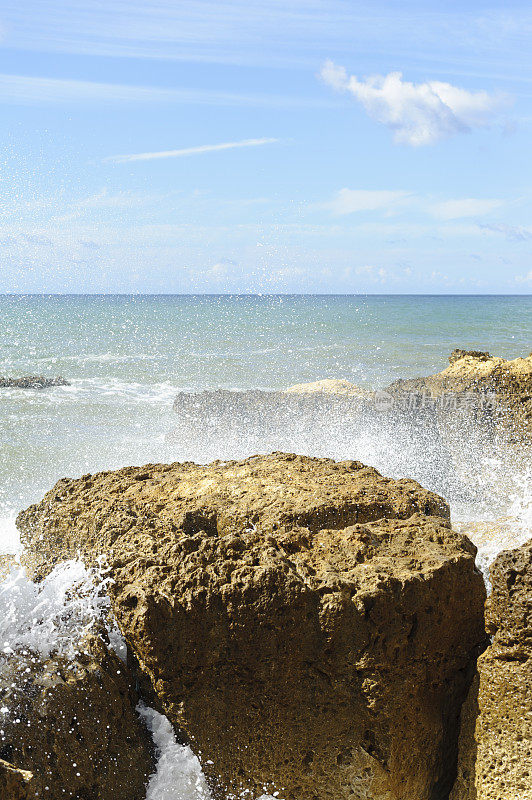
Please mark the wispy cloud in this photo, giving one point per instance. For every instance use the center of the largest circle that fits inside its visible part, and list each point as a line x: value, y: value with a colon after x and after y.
x: 274, y: 32
x: 418, y: 114
x: 393, y: 202
x: 515, y: 233
x: 25, y: 89
x: 350, y: 201
x: 464, y: 207
x: 190, y: 151
x: 38, y: 90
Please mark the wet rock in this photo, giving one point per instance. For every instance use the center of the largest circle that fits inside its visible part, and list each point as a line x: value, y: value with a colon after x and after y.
x: 495, y: 759
x: 309, y: 626
x: 504, y: 388
x: 32, y: 382
x: 15, y: 784
x: 72, y: 722
x: 7, y: 561
x: 458, y: 354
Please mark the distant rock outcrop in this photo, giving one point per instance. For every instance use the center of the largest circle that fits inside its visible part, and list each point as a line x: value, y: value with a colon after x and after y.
x: 495, y: 761
x: 330, y: 386
x: 72, y: 723
x: 32, y: 382
x: 310, y: 626
x: 505, y: 385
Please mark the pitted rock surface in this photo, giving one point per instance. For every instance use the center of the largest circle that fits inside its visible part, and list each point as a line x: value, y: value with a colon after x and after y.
x: 309, y: 626
x: 496, y: 738
x: 506, y: 385
x: 72, y: 723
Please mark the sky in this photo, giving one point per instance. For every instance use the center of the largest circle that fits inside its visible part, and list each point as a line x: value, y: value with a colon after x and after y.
x: 320, y: 146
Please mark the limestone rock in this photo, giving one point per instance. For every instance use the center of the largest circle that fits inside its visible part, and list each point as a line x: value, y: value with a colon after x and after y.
x: 72, y: 722
x: 309, y: 626
x: 329, y: 386
x: 495, y: 759
x: 480, y: 355
x: 32, y: 382
x: 505, y: 385
x: 95, y: 513
x: 15, y: 784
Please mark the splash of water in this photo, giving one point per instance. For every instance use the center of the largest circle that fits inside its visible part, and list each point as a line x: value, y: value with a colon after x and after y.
x: 52, y: 616
x: 178, y: 774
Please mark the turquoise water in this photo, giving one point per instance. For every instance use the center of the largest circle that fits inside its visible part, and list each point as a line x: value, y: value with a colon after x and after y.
x: 127, y: 356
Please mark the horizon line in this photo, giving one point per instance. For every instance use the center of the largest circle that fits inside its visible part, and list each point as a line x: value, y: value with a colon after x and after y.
x: 264, y: 294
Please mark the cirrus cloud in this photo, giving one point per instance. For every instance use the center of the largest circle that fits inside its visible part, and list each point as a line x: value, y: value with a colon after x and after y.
x: 417, y: 113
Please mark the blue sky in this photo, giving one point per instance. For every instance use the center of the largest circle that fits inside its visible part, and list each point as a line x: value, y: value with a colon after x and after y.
x: 294, y: 146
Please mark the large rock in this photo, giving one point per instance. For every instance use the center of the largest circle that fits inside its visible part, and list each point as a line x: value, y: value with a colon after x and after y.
x: 496, y: 737
x: 72, y: 723
x: 504, y: 387
x: 15, y: 784
x: 310, y: 626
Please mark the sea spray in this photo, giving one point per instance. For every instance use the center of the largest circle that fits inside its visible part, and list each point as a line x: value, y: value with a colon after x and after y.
x: 53, y: 616
x: 178, y: 774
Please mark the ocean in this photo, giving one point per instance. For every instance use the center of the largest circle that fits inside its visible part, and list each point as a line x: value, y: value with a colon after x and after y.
x: 127, y: 357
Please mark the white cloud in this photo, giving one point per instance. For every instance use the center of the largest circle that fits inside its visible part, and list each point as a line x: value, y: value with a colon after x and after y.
x: 189, y: 151
x: 349, y: 201
x: 418, y: 114
x: 375, y: 274
x: 524, y: 278
x: 465, y: 207
x: 222, y: 269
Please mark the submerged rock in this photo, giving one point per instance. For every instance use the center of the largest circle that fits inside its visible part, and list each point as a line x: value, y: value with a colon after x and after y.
x: 15, y: 784
x: 495, y: 759
x: 32, y: 382
x: 309, y: 626
x: 71, y: 721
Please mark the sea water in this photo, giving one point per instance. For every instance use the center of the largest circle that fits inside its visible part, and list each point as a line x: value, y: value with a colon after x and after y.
x: 126, y: 358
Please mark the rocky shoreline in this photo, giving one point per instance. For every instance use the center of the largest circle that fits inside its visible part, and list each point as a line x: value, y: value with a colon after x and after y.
x: 315, y: 630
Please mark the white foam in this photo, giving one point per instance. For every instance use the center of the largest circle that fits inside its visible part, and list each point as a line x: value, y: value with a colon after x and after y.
x: 521, y: 501
x: 9, y: 535
x: 178, y: 774
x: 52, y: 616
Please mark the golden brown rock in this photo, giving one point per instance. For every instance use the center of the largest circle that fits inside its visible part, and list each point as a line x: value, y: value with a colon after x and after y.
x: 91, y: 514
x: 72, y: 723
x: 495, y: 760
x: 333, y: 386
x: 506, y: 383
x: 15, y: 784
x: 309, y: 625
